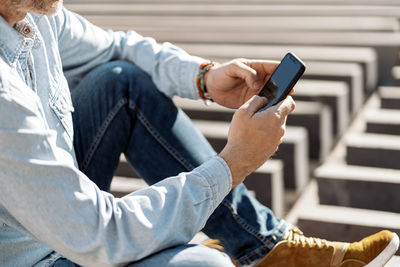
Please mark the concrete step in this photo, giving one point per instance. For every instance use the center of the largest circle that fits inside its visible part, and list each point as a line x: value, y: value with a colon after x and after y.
x: 358, y: 187
x: 333, y: 94
x: 385, y: 44
x: 373, y: 150
x: 338, y: 223
x: 390, y: 97
x: 251, y: 2
x: 266, y: 183
x: 196, y: 9
x: 364, y: 56
x: 373, y: 38
x: 349, y: 73
x: 315, y: 117
x: 383, y: 121
x: 125, y: 169
x: 293, y: 151
x: 396, y: 74
x: 313, y: 23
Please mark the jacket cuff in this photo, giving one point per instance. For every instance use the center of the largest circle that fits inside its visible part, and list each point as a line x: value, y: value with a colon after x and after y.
x: 219, y: 177
x: 188, y: 73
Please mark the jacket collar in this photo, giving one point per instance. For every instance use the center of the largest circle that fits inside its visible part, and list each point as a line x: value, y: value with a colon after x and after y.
x: 14, y: 43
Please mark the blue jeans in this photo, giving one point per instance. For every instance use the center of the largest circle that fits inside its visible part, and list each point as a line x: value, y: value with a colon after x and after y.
x: 118, y: 110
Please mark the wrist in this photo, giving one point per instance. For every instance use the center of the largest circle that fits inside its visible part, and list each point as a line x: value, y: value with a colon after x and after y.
x: 201, y: 80
x: 237, y: 169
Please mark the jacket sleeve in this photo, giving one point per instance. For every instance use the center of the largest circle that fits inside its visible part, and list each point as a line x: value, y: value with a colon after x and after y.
x: 84, y: 46
x: 62, y: 208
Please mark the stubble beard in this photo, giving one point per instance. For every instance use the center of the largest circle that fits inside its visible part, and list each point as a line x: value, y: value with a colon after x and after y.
x: 45, y: 7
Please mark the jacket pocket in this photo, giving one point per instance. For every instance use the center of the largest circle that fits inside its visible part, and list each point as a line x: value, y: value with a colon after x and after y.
x: 61, y: 104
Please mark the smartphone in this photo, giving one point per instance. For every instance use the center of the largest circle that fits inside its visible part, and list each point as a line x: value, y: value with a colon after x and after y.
x: 283, y: 79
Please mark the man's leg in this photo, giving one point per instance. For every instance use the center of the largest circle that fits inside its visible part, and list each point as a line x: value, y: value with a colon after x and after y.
x: 119, y: 110
x: 186, y: 256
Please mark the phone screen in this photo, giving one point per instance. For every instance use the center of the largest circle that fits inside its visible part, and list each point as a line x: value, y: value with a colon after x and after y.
x: 283, y: 79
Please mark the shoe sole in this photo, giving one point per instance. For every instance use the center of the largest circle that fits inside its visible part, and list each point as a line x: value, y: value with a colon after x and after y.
x: 386, y: 254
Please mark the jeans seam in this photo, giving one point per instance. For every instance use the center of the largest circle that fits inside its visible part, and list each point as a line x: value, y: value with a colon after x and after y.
x: 247, y: 259
x: 157, y: 136
x: 100, y: 133
x: 266, y: 241
x: 243, y: 223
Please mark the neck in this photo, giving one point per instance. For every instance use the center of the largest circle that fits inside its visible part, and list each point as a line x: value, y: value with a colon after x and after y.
x: 11, y: 13
x: 12, y: 20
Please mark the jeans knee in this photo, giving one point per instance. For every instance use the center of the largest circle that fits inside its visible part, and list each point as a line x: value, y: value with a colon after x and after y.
x: 208, y: 257
x: 126, y: 71
x: 187, y: 256
x: 122, y: 75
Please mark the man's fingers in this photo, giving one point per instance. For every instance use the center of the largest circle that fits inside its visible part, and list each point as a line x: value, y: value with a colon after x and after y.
x: 285, y: 107
x: 248, y: 74
x: 254, y: 104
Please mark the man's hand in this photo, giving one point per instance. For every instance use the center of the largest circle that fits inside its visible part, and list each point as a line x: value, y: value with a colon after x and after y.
x: 254, y: 136
x: 233, y: 83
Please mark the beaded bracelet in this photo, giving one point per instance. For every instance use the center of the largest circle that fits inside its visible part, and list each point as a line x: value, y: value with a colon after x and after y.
x: 201, y: 86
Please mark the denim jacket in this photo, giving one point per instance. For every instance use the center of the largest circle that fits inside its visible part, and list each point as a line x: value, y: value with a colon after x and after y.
x: 46, y: 203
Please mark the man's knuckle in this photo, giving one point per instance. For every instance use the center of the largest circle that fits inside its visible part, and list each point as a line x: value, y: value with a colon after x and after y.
x: 292, y: 105
x: 276, y: 119
x: 282, y: 131
x: 243, y: 111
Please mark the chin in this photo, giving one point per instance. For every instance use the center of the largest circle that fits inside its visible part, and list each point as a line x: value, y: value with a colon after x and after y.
x: 51, y: 9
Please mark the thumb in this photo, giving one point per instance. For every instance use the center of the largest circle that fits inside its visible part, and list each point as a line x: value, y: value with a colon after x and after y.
x: 248, y: 74
x: 285, y: 107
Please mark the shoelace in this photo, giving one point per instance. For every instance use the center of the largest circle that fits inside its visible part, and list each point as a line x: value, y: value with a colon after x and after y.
x: 296, y: 236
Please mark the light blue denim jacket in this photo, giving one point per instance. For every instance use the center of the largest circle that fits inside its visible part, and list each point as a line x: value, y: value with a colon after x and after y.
x: 46, y: 203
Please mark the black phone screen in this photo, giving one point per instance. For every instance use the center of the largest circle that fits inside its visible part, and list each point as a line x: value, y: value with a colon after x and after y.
x: 283, y: 79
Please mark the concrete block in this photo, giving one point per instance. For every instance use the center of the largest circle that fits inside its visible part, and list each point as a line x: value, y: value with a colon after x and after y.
x: 350, y: 73
x: 197, y: 110
x: 383, y: 121
x: 296, y: 170
x: 125, y: 169
x: 396, y: 74
x: 366, y: 57
x: 359, y: 187
x: 205, y: 21
x: 315, y: 117
x: 266, y: 2
x: 385, y: 44
x: 331, y: 93
x: 338, y: 223
x: 268, y: 185
x: 373, y: 150
x: 390, y: 97
x: 191, y: 9
x: 293, y: 150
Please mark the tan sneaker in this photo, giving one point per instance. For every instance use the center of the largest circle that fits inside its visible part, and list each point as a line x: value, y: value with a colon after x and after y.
x: 296, y: 250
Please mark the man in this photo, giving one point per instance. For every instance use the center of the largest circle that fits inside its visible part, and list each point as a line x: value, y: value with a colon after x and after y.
x: 52, y: 214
